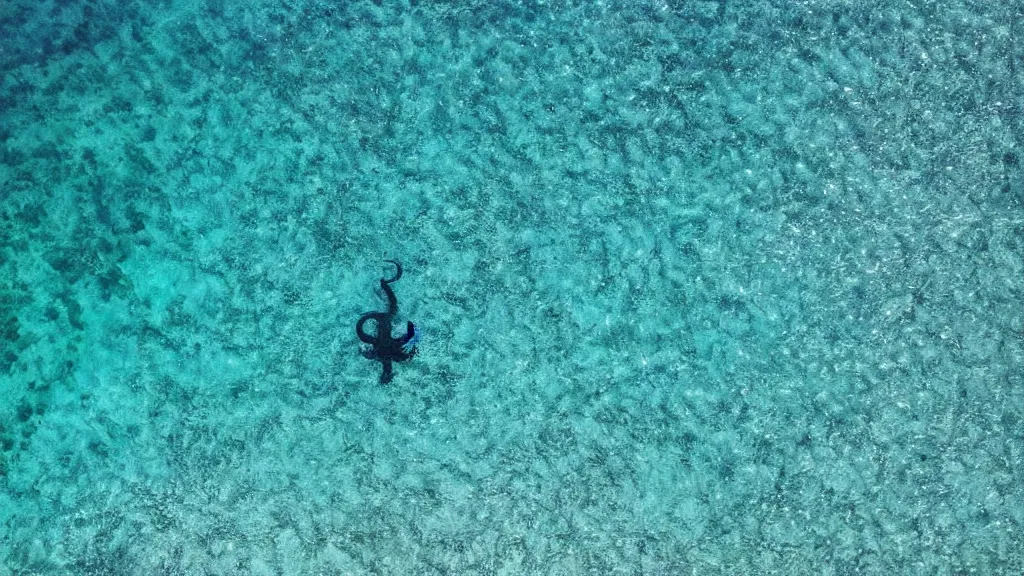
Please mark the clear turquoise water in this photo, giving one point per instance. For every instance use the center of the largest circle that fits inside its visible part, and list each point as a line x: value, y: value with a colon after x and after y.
x: 706, y: 287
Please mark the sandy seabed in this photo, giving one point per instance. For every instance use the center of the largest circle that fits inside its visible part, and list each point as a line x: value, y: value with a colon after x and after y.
x: 704, y: 287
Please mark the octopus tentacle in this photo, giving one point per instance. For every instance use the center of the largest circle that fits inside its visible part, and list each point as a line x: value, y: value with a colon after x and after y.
x: 377, y: 317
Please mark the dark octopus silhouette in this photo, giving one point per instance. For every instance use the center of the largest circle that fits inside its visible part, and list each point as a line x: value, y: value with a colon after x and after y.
x: 382, y: 347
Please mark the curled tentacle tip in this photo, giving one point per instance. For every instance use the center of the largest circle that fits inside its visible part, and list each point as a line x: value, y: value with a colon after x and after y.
x: 412, y: 338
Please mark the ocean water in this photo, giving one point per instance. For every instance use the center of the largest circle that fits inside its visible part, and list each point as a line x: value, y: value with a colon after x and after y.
x: 704, y: 287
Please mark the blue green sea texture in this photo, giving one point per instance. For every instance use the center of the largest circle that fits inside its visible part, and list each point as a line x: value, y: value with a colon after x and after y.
x: 705, y: 287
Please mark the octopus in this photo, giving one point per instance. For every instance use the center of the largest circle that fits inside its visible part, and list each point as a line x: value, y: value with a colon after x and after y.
x: 381, y: 345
